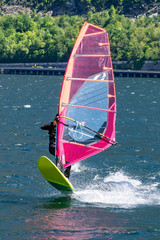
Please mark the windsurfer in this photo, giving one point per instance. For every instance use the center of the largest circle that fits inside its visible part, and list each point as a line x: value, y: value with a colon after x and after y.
x: 51, y: 127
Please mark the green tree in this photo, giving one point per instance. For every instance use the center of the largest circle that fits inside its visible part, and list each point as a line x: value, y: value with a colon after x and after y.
x: 23, y: 23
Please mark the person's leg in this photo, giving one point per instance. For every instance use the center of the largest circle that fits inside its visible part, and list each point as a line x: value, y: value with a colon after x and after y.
x: 59, y: 164
x: 58, y: 161
x: 67, y: 172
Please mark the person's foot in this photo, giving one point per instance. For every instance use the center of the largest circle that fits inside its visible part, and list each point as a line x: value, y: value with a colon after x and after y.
x: 67, y: 172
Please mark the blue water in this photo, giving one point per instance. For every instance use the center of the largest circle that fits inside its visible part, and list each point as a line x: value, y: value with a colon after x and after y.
x: 117, y: 192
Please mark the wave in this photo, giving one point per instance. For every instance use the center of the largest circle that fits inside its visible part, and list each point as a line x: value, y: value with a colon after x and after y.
x: 119, y: 190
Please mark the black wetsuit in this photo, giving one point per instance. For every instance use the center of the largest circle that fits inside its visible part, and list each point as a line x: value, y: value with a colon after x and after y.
x: 52, y: 137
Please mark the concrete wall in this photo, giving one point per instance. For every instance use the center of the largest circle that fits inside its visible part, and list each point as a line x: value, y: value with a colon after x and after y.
x: 147, y: 66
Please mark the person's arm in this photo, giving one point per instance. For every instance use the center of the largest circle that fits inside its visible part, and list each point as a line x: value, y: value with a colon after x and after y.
x: 46, y: 126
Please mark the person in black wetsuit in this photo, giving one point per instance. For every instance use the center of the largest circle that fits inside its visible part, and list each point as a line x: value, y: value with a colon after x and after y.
x: 51, y: 127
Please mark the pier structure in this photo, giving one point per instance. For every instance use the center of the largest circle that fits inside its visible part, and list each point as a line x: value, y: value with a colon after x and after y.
x: 32, y: 71
x: 61, y: 70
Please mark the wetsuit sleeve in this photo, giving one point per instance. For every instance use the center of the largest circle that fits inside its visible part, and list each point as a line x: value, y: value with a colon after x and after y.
x: 47, y: 126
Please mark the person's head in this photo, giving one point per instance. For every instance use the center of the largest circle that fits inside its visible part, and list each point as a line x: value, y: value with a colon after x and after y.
x: 55, y: 121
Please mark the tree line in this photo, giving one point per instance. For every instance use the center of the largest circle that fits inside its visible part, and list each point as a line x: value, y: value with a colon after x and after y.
x: 81, y: 5
x: 25, y: 38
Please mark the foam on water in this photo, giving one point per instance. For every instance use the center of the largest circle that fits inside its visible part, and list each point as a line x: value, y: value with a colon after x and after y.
x: 27, y: 106
x: 78, y: 168
x: 119, y: 190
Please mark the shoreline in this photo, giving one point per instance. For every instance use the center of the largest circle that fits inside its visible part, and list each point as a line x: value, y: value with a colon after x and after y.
x: 59, y: 69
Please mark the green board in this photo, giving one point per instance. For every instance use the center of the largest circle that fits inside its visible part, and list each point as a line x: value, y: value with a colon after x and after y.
x: 53, y: 175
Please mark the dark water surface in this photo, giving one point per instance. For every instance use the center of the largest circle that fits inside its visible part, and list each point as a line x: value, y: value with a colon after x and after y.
x: 117, y: 192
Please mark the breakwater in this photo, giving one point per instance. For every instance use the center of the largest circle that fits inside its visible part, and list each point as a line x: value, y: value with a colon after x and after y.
x: 59, y: 69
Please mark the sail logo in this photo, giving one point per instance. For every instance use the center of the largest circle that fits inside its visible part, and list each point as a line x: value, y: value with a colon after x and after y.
x: 76, y: 131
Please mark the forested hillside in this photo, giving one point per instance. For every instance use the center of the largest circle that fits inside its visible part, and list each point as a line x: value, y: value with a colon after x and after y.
x: 132, y: 7
x: 32, y: 38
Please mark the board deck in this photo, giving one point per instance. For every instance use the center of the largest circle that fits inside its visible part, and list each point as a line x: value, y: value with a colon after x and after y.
x: 53, y: 175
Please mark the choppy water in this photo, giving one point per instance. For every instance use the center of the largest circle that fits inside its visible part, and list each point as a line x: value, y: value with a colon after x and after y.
x: 117, y: 192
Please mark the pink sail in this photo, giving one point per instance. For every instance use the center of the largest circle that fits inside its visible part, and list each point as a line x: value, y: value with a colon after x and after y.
x: 87, y: 105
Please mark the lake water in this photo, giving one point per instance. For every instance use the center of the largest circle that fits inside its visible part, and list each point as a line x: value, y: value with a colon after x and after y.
x: 117, y: 192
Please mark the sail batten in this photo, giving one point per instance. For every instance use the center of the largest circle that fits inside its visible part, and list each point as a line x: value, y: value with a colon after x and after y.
x: 103, y: 44
x: 92, y: 34
x: 87, y: 105
x: 88, y: 146
x: 87, y: 79
x: 80, y: 106
x: 107, y: 68
x: 90, y: 55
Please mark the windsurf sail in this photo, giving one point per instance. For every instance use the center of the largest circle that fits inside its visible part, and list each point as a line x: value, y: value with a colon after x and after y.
x: 87, y: 104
